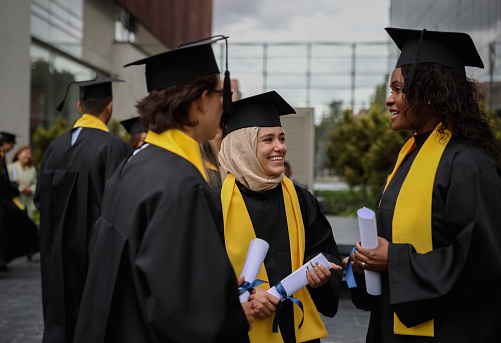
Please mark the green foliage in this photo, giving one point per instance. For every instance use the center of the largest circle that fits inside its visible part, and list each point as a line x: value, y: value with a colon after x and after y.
x: 117, y: 128
x: 42, y: 138
x: 347, y: 203
x: 495, y: 119
x: 35, y: 216
x: 363, y: 148
x: 329, y: 120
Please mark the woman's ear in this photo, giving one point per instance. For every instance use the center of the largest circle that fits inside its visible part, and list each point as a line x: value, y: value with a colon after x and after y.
x: 202, y: 101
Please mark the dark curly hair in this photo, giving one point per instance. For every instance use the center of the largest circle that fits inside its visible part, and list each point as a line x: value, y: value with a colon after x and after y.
x: 452, y: 98
x: 169, y: 108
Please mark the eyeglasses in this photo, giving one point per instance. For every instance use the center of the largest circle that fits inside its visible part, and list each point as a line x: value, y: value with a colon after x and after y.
x: 219, y: 91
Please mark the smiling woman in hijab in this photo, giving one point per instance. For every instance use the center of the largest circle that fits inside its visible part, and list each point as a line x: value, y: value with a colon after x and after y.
x: 258, y: 201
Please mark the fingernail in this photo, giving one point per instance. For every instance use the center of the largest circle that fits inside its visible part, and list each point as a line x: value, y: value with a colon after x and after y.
x: 312, y: 263
x: 317, y: 263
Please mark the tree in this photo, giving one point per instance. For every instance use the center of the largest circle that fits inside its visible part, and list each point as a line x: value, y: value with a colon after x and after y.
x: 42, y: 138
x: 329, y: 119
x: 363, y: 148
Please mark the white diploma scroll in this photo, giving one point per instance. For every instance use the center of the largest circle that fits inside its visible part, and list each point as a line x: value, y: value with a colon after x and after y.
x: 368, y: 237
x: 255, y: 257
x: 297, y: 280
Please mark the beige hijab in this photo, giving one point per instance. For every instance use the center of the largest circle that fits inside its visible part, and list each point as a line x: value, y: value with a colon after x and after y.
x: 238, y: 156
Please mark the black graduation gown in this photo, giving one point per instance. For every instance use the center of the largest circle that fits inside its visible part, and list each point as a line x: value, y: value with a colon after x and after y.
x: 457, y: 283
x: 69, y: 192
x: 159, y: 270
x: 267, y: 212
x: 18, y: 233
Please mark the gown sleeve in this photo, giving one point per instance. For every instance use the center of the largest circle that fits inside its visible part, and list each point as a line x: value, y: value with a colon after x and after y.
x: 117, y: 152
x: 320, y: 239
x: 188, y: 278
x: 420, y: 283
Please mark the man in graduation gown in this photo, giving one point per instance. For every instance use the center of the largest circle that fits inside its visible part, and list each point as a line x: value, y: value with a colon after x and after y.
x: 69, y: 192
x: 18, y: 233
x: 159, y: 271
x: 439, y: 248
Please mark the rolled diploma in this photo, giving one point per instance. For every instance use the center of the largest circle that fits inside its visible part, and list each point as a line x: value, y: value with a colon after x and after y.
x: 297, y: 280
x: 255, y: 257
x: 368, y: 237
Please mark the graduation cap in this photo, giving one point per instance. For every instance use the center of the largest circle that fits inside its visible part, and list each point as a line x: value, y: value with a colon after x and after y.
x: 133, y: 125
x: 185, y: 63
x: 454, y: 50
x: 263, y: 110
x: 92, y: 89
x: 7, y: 137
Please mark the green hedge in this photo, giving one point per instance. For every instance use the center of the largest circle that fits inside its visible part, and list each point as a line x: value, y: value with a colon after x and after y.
x: 345, y: 203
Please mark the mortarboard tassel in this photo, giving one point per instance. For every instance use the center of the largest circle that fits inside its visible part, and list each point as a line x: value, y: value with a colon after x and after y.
x: 227, y: 94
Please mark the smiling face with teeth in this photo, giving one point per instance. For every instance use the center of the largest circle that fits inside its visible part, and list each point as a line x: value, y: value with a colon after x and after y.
x: 271, y: 149
x: 402, y: 118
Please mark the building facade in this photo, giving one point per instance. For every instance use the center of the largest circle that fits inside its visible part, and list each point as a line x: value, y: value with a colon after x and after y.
x: 481, y: 19
x: 48, y: 43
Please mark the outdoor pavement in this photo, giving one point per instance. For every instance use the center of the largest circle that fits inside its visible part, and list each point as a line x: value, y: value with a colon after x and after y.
x: 21, y: 319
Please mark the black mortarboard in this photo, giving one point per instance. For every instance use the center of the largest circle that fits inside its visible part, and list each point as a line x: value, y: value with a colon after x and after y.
x: 8, y: 137
x: 185, y: 63
x: 133, y: 125
x: 451, y: 49
x: 92, y: 89
x: 263, y: 110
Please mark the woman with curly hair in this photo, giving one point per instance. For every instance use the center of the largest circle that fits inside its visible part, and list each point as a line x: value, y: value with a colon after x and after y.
x: 439, y: 244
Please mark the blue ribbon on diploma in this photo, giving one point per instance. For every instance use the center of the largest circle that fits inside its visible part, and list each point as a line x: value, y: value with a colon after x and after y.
x: 350, y: 278
x: 248, y: 286
x: 283, y: 295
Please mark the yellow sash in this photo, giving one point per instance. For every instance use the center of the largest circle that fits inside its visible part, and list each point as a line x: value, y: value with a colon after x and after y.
x: 238, y: 232
x: 412, y: 214
x: 89, y: 120
x: 209, y: 165
x: 179, y: 143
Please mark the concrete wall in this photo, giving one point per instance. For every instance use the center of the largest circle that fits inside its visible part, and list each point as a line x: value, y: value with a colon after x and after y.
x: 173, y: 21
x: 15, y: 70
x: 125, y: 95
x: 101, y: 50
x: 98, y: 33
x: 299, y: 131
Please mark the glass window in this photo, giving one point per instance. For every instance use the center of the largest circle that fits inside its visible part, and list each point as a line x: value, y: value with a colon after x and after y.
x: 50, y: 76
x: 59, y: 23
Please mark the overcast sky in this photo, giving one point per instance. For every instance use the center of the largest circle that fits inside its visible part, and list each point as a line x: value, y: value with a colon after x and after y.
x: 301, y: 20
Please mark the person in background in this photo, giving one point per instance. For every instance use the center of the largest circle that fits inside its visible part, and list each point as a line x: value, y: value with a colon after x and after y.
x: 18, y: 233
x: 70, y: 186
x: 136, y: 131
x: 23, y: 172
x: 210, y: 159
x: 439, y: 244
x: 259, y: 201
x: 159, y: 271
x: 288, y: 173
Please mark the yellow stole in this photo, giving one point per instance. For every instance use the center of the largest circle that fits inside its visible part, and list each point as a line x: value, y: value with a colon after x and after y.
x: 88, y: 120
x: 412, y: 213
x: 179, y: 143
x: 209, y: 165
x: 238, y: 232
